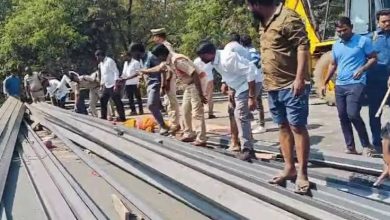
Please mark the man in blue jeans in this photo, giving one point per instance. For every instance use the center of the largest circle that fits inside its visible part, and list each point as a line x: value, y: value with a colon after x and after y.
x: 378, y: 75
x: 352, y: 56
x: 284, y: 50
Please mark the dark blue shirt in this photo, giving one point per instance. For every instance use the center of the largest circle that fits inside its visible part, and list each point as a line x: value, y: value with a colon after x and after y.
x: 12, y: 85
x: 151, y: 61
x: 381, y: 42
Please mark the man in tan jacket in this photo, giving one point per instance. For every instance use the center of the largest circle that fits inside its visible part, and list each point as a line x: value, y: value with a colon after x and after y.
x: 195, y: 84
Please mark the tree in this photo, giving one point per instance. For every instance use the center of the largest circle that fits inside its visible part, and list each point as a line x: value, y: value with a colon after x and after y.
x: 214, y: 19
x: 39, y: 33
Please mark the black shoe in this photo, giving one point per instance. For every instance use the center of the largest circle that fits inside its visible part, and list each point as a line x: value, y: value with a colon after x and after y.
x: 247, y: 155
x: 212, y: 116
x: 141, y: 112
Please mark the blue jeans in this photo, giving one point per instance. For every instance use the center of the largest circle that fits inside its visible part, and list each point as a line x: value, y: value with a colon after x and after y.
x: 349, y: 104
x: 154, y: 103
x: 375, y: 91
x: 287, y: 108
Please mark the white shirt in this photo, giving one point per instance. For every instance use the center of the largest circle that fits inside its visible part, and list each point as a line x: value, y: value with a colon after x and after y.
x: 130, y: 69
x: 205, y: 67
x: 235, y: 70
x: 234, y: 46
x: 109, y: 72
x: 62, y: 90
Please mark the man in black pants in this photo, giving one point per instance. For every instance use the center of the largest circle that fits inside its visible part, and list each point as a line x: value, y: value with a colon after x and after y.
x: 130, y: 77
x: 109, y: 75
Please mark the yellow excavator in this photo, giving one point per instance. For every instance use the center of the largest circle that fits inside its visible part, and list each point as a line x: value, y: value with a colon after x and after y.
x: 320, y: 29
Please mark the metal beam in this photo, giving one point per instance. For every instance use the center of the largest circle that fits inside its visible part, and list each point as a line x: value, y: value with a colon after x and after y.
x: 78, y: 200
x: 8, y: 138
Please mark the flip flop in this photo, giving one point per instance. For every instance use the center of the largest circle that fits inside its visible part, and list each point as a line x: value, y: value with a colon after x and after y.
x: 281, y: 180
x: 302, y: 187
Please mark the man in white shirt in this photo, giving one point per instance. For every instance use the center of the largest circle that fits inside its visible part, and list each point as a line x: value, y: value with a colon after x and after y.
x: 109, y: 74
x: 208, y: 69
x: 130, y: 76
x: 254, y: 58
x: 239, y: 74
x: 57, y: 91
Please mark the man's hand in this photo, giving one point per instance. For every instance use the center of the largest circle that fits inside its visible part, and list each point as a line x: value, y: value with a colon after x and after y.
x: 224, y: 89
x: 323, y: 90
x: 167, y: 86
x: 298, y: 87
x: 203, y: 99
x: 252, y: 103
x: 358, y: 74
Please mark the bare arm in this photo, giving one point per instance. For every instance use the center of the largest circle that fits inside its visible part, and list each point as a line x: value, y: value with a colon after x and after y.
x: 331, y: 70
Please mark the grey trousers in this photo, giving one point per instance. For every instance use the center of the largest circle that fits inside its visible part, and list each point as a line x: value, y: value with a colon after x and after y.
x: 241, y: 115
x: 153, y: 103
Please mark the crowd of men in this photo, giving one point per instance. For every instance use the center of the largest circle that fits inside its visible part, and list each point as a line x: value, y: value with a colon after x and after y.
x: 361, y: 62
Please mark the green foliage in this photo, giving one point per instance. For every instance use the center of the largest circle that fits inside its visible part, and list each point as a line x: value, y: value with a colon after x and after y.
x: 39, y: 33
x: 214, y: 19
x: 61, y: 33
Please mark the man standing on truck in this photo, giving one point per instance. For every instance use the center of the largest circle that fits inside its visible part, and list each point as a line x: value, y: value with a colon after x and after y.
x: 285, y: 52
x: 352, y: 56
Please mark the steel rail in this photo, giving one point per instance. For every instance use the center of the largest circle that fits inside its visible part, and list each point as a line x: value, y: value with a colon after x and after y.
x: 344, y: 185
x: 142, y: 209
x: 81, y: 204
x: 8, y: 138
x: 322, y: 191
x: 354, y: 163
x: 186, y: 176
x: 323, y: 194
x: 54, y: 203
x: 308, y: 210
x: 177, y: 191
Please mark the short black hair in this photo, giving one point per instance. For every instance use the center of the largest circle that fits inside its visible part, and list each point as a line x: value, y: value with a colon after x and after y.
x: 136, y: 47
x: 160, y: 50
x: 246, y: 40
x: 383, y: 12
x: 343, y: 21
x: 162, y: 35
x: 234, y: 36
x: 205, y: 47
x: 265, y: 2
x: 100, y: 53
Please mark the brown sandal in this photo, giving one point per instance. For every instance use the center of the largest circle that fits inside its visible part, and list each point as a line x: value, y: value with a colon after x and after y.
x: 281, y: 180
x: 302, y: 187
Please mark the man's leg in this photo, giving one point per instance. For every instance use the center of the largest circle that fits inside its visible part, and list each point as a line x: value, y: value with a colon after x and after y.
x: 81, y: 107
x: 116, y: 97
x: 93, y: 99
x: 297, y: 109
x: 153, y: 104
x: 286, y: 137
x: 235, y: 143
x: 354, y: 105
x: 173, y: 107
x: 189, y: 135
x: 375, y: 95
x: 346, y: 125
x: 130, y: 95
x: 386, y: 156
x: 210, y: 102
x: 103, y: 103
x: 241, y: 114
x: 260, y: 107
x: 198, y: 117
x: 139, y: 99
